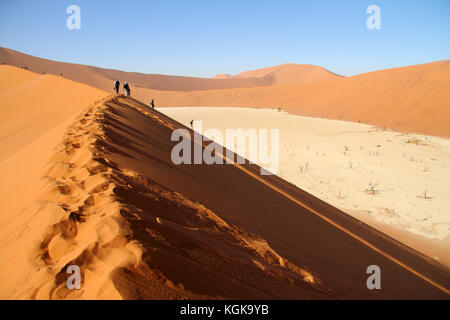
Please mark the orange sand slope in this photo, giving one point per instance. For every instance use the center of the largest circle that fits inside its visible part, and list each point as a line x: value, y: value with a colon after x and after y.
x: 414, y: 99
x: 99, y: 190
x: 103, y: 78
x: 31, y: 104
x: 36, y: 110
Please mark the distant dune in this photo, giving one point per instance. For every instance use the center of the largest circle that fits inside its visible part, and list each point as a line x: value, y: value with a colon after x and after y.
x: 290, y: 73
x: 285, y: 74
x: 103, y: 78
x: 414, y: 99
x: 222, y: 76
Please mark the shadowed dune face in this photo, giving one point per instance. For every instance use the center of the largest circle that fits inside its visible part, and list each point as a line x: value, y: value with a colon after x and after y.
x: 190, y: 251
x: 214, y: 232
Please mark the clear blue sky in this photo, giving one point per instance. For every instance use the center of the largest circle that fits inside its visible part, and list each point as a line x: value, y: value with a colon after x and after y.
x: 206, y: 37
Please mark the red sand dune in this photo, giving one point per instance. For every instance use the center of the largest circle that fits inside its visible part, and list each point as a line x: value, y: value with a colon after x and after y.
x: 99, y: 190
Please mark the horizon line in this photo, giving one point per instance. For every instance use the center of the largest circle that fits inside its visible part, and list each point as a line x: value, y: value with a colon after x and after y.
x: 222, y: 73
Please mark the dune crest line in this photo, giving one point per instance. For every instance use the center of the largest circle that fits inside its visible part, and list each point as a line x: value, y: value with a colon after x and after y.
x: 127, y: 233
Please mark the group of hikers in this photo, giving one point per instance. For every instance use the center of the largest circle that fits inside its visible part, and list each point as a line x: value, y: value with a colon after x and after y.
x: 127, y: 91
x: 126, y: 88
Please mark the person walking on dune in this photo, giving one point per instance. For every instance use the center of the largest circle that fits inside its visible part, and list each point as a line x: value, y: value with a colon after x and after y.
x: 116, y: 86
x: 126, y: 88
x: 152, y: 103
x: 192, y: 124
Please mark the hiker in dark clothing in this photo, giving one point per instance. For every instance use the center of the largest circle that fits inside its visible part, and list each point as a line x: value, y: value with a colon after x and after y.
x: 192, y: 124
x: 152, y: 103
x: 117, y: 86
x: 126, y: 88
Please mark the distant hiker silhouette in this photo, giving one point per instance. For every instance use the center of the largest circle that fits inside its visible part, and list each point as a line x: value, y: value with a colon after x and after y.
x: 116, y: 86
x: 126, y: 88
x: 192, y: 124
x: 152, y: 103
